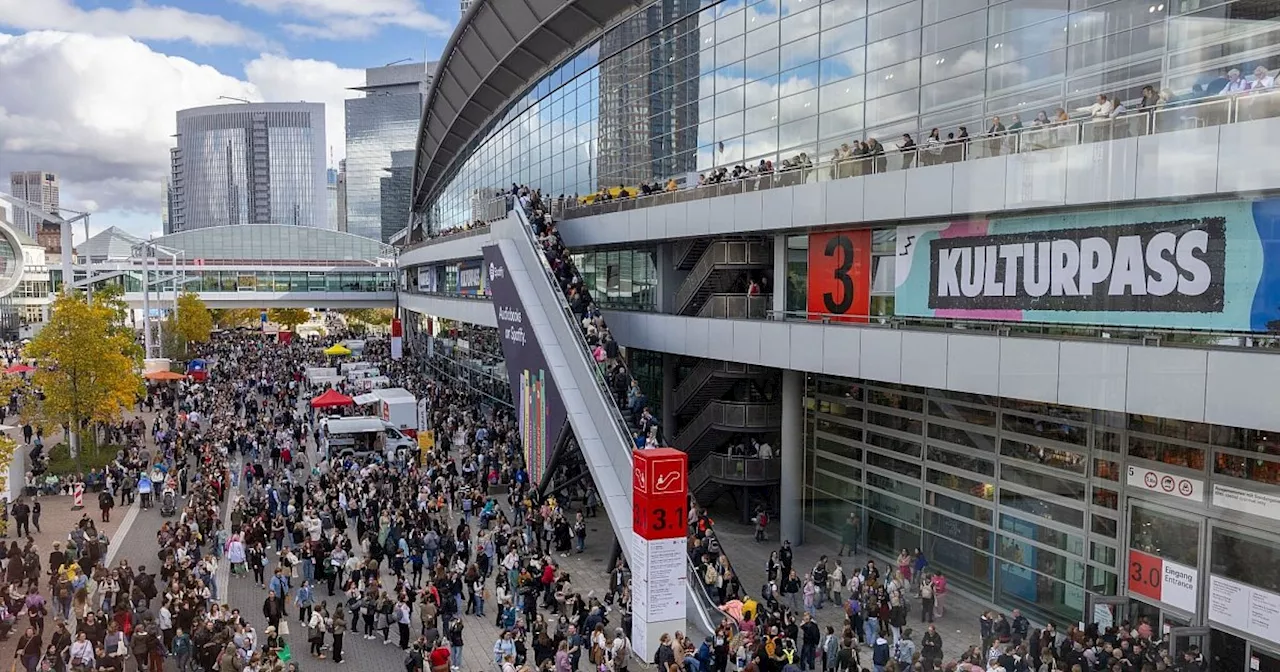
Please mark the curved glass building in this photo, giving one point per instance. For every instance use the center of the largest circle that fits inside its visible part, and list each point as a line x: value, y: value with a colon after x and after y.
x: 253, y: 163
x: 684, y: 86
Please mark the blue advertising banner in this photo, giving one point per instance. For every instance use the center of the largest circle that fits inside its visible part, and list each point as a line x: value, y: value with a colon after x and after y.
x: 537, y: 400
x: 1210, y: 266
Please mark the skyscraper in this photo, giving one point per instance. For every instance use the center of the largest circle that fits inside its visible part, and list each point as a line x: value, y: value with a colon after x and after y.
x: 331, y: 198
x: 40, y: 189
x: 255, y: 163
x: 384, y: 121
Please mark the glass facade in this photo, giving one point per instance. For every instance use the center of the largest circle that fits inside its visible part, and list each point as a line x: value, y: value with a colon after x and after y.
x: 257, y: 163
x: 682, y: 87
x: 206, y: 280
x: 275, y: 243
x: 1021, y: 503
x: 626, y: 279
x: 378, y: 126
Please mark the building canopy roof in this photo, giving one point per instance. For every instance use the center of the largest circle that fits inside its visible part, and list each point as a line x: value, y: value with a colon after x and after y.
x: 274, y: 242
x: 111, y: 243
x: 500, y: 48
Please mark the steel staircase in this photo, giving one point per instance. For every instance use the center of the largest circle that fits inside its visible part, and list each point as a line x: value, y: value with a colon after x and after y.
x: 717, y: 270
x: 718, y: 419
x: 709, y: 380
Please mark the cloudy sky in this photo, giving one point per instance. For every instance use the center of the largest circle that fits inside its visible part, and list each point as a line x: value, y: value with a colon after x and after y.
x: 89, y: 88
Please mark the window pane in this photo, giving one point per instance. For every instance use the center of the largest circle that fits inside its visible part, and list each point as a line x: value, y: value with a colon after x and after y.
x: 892, y: 108
x: 1168, y: 453
x: 893, y: 50
x: 1039, y: 507
x: 900, y: 19
x: 894, y: 444
x: 1018, y: 13
x: 960, y: 30
x: 1248, y: 468
x: 963, y: 462
x: 1246, y: 558
x: 841, y: 38
x: 895, y: 400
x: 1162, y: 535
x: 1045, y: 455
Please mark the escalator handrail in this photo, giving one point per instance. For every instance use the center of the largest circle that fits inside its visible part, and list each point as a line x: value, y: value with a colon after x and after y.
x: 563, y: 304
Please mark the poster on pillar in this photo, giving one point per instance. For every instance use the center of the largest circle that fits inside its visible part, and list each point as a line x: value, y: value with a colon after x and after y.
x: 397, y: 339
x: 541, y: 412
x: 659, y: 572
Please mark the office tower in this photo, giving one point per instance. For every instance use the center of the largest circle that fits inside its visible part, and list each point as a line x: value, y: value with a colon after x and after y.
x: 255, y: 163
x: 384, y: 121
x: 41, y: 190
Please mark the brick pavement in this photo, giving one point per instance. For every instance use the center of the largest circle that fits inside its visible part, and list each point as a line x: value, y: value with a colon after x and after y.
x: 958, y: 627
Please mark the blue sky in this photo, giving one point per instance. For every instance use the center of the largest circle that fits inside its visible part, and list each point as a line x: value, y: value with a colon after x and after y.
x: 91, y: 86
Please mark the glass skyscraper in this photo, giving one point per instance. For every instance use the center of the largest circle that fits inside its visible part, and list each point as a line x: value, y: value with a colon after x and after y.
x: 384, y: 121
x: 255, y: 163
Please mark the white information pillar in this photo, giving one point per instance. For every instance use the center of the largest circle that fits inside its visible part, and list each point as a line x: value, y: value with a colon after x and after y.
x: 659, y: 574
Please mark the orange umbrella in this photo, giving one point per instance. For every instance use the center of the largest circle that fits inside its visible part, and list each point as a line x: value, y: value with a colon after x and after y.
x: 164, y: 375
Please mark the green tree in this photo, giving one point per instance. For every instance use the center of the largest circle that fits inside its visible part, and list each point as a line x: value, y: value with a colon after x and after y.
x: 194, y: 322
x: 230, y: 318
x: 289, y: 318
x: 87, y: 364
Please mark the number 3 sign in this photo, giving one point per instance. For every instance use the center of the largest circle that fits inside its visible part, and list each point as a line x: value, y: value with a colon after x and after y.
x: 840, y: 275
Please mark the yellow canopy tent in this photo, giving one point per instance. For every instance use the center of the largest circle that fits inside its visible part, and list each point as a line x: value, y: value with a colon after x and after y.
x: 337, y: 350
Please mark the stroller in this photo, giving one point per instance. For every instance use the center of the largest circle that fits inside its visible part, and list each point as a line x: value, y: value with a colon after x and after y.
x: 168, y: 502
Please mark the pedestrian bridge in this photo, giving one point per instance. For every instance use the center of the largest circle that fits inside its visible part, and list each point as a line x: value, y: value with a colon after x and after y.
x: 247, y: 266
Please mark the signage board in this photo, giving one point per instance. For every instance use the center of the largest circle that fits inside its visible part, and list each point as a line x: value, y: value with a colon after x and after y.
x: 839, y: 281
x: 1246, y: 501
x: 469, y: 278
x: 1163, y: 580
x: 1245, y: 608
x: 659, y: 571
x: 541, y: 412
x: 1173, y: 485
x: 1210, y: 265
x: 427, y: 279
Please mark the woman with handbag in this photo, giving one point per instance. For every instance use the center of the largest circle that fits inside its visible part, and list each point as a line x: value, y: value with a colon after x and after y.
x: 317, y: 625
x: 29, y: 648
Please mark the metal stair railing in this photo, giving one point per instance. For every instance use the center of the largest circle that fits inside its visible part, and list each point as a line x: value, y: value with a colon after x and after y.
x: 735, y: 414
x: 731, y: 469
x: 702, y: 373
x: 737, y: 306
x: 719, y: 253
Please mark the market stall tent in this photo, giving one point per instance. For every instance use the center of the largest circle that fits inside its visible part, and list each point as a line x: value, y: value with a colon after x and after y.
x: 331, y: 399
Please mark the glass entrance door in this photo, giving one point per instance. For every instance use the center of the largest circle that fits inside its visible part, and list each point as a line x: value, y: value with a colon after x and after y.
x: 1182, y: 639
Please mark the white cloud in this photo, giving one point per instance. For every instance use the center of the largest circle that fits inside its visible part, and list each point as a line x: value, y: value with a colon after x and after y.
x: 105, y: 127
x: 141, y: 20
x: 351, y: 19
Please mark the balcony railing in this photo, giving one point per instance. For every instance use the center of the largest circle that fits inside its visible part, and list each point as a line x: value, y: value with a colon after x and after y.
x: 1183, y: 338
x: 729, y: 469
x: 737, y: 306
x: 1179, y: 116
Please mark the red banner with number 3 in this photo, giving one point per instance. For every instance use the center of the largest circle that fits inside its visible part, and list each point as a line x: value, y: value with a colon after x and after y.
x: 840, y: 276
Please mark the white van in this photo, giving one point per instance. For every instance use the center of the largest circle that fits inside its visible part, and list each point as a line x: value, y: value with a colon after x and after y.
x: 364, y: 435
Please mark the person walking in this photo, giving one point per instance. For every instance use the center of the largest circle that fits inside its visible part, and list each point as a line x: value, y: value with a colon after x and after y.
x: 338, y: 631
x: 926, y: 599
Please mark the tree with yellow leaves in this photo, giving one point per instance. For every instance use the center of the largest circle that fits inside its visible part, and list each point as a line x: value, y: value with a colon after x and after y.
x: 194, y: 322
x: 87, y: 367
x: 230, y: 318
x: 289, y: 318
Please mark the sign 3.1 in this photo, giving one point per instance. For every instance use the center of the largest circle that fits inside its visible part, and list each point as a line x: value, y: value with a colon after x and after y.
x: 840, y: 275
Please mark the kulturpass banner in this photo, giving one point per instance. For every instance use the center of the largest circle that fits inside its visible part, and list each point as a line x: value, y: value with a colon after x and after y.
x: 1211, y: 266
x: 537, y: 400
x: 469, y: 278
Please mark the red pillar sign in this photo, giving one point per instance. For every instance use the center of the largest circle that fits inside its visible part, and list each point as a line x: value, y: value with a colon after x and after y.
x: 660, y: 483
x: 659, y: 575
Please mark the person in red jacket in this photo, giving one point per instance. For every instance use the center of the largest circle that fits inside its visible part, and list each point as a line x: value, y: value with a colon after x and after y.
x: 439, y: 657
